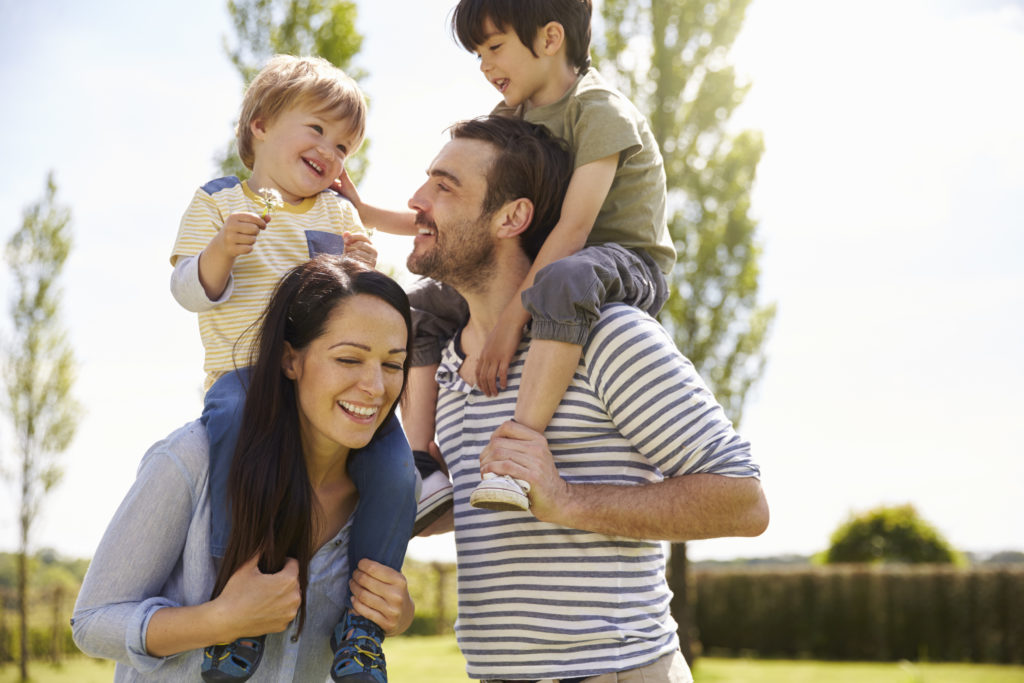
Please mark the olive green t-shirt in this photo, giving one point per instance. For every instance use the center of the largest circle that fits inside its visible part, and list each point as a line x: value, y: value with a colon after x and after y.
x: 598, y: 121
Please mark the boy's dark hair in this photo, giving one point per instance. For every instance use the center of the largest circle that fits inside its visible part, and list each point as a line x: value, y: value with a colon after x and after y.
x: 526, y: 17
x: 531, y: 163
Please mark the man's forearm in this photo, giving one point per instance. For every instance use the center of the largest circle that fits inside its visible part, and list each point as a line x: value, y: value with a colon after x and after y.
x: 685, y: 508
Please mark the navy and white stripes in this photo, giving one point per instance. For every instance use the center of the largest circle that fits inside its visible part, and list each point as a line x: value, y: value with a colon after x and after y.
x: 538, y: 600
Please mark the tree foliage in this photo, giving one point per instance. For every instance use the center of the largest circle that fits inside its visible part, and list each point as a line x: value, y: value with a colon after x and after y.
x: 38, y: 368
x: 889, y: 534
x: 671, y: 58
x: 264, y: 28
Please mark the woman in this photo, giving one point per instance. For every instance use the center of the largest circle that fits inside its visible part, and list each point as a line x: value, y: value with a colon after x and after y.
x: 330, y: 364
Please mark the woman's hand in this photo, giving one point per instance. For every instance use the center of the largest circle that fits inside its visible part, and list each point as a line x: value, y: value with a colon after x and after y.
x: 381, y: 594
x: 253, y: 603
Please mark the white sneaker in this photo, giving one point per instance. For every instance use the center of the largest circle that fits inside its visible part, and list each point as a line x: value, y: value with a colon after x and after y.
x: 435, y: 500
x: 501, y: 493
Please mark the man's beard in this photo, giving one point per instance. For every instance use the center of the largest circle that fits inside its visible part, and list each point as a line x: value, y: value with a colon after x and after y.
x: 466, y: 263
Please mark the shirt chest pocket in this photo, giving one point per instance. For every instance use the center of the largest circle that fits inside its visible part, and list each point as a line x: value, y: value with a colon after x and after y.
x: 323, y: 242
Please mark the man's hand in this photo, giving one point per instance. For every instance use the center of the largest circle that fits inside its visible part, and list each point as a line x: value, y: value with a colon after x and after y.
x: 522, y: 453
x: 684, y: 508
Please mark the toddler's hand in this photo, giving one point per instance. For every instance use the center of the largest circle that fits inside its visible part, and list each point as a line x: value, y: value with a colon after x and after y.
x: 238, y: 236
x: 495, y: 357
x: 344, y: 186
x: 359, y: 248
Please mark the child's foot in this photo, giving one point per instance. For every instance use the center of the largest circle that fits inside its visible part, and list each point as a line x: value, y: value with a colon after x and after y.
x: 232, y: 662
x: 358, y: 655
x: 435, y: 500
x: 500, y: 493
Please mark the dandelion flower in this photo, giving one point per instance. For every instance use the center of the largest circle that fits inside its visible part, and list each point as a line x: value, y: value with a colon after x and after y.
x: 271, y: 200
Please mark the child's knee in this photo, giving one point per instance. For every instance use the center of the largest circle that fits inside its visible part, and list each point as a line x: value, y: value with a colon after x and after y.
x: 226, y: 396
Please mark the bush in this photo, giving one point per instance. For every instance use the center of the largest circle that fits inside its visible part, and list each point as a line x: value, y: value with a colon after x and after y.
x: 890, y: 534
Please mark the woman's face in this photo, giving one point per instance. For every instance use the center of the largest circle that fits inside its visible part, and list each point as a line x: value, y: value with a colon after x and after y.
x: 347, y: 379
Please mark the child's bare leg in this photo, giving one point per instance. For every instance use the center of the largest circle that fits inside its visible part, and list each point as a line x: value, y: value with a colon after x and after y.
x: 547, y: 374
x: 419, y: 404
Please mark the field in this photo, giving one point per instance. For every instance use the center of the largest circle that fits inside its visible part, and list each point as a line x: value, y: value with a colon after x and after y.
x: 436, y: 659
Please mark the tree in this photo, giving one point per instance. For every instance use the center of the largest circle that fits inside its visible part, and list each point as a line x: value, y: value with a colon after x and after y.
x: 264, y: 28
x: 38, y: 370
x: 1006, y: 557
x: 671, y: 58
x: 889, y: 534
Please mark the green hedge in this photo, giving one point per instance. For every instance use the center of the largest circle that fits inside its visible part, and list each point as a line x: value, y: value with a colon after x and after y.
x: 40, y: 644
x: 867, y: 613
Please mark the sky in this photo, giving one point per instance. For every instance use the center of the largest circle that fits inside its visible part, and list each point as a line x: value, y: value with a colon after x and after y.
x: 889, y: 202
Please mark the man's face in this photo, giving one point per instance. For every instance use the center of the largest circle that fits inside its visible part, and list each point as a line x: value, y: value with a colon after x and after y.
x: 455, y: 244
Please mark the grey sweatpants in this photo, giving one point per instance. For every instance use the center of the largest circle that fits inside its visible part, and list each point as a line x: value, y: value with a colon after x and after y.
x: 564, y: 301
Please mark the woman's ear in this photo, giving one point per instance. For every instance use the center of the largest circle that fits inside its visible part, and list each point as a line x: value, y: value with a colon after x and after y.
x: 515, y: 217
x: 553, y: 36
x: 290, y: 362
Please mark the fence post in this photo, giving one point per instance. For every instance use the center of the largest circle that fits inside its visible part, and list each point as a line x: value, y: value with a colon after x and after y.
x: 680, y: 580
x: 441, y: 622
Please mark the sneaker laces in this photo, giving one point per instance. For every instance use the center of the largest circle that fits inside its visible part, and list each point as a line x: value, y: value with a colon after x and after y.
x: 360, y: 644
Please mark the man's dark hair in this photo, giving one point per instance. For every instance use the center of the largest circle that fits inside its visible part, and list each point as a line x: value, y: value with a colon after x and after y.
x: 526, y: 17
x: 531, y: 163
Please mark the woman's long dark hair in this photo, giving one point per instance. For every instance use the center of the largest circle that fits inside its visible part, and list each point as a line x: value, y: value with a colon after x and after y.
x: 272, y: 505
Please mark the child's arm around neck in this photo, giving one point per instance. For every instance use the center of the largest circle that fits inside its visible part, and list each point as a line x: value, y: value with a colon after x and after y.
x: 386, y: 220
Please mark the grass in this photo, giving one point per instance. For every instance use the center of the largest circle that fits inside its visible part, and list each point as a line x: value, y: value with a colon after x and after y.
x: 424, y: 659
x: 713, y: 670
x: 436, y: 659
x: 73, y: 670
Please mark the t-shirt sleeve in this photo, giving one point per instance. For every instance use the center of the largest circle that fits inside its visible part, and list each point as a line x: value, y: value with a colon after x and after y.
x: 201, y: 221
x: 605, y: 125
x: 657, y: 400
x: 138, y: 553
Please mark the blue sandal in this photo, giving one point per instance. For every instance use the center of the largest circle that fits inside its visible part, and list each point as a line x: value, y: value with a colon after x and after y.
x: 358, y: 655
x: 233, y: 662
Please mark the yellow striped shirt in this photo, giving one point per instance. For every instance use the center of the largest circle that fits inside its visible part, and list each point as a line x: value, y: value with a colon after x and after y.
x: 293, y: 236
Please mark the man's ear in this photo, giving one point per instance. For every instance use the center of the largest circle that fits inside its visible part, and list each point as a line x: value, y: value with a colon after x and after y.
x: 515, y: 217
x: 290, y: 362
x: 552, y: 38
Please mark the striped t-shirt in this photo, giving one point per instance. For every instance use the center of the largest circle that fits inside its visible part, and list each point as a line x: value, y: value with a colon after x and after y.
x: 293, y: 235
x: 537, y: 600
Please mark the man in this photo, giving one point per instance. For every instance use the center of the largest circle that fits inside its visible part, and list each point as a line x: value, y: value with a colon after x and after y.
x: 638, y: 450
